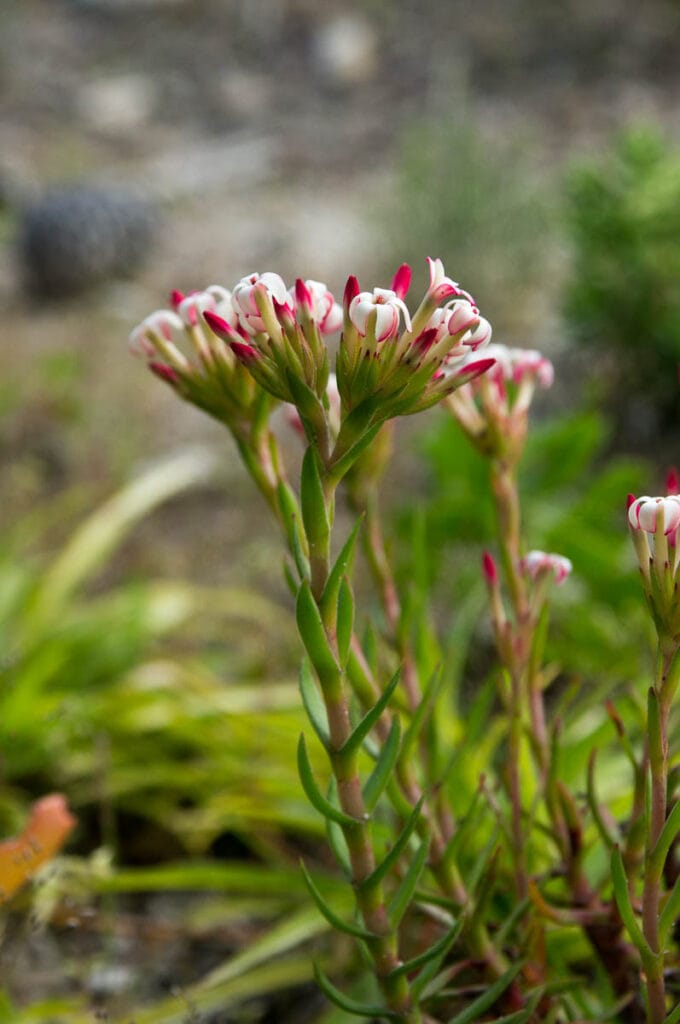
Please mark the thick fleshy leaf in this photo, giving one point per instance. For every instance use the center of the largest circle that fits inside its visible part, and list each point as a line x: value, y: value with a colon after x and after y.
x: 336, y: 839
x: 314, y: 794
x: 289, y: 512
x: 622, y: 898
x: 670, y: 913
x: 430, y: 961
x: 386, y: 865
x: 313, y: 703
x: 341, y: 568
x: 669, y: 832
x: 402, y: 898
x: 314, y: 635
x: 359, y: 734
x: 422, y: 712
x: 331, y: 916
x: 474, y: 1011
x: 674, y: 1016
x: 381, y: 774
x: 345, y: 620
x: 351, y: 1005
x: 312, y: 499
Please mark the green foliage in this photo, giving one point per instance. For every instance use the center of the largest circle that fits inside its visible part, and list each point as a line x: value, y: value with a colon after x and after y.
x: 623, y: 215
x: 573, y: 500
x: 477, y: 203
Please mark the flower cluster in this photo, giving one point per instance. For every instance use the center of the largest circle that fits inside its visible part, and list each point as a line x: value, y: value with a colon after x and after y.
x: 410, y: 361
x: 493, y: 409
x: 390, y: 362
x: 654, y: 525
x: 180, y: 349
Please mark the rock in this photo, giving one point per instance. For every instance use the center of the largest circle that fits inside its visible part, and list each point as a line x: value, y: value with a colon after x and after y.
x: 119, y: 103
x: 344, y: 50
x: 78, y: 236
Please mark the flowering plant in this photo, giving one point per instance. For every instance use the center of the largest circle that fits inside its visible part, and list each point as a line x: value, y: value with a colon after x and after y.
x: 443, y: 944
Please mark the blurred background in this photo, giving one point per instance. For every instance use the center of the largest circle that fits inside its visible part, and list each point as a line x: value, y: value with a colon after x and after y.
x: 155, y: 144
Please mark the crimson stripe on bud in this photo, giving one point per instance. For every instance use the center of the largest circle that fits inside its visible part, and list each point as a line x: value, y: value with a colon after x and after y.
x: 630, y: 498
x: 176, y: 297
x: 672, y: 481
x: 425, y: 339
x: 401, y: 282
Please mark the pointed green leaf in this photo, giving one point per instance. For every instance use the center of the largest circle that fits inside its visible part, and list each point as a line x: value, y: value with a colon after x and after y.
x: 290, y: 517
x: 670, y: 913
x: 313, y: 635
x: 520, y: 1016
x: 421, y: 713
x: 379, y: 777
x: 351, y: 1005
x: 622, y: 898
x: 669, y: 832
x: 313, y: 703
x: 346, y: 461
x: 337, y: 922
x: 334, y: 834
x: 314, y: 794
x: 674, y: 1016
x: 594, y: 805
x: 473, y: 1012
x: 353, y: 742
x: 341, y: 568
x: 430, y: 961
x: 401, y: 900
x: 386, y: 865
x: 312, y: 499
x: 345, y: 620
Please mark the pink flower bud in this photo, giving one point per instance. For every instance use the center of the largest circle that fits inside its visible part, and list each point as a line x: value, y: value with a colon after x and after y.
x: 215, y: 298
x: 221, y: 327
x: 164, y: 371
x: 387, y: 307
x: 175, y: 298
x: 351, y: 291
x: 319, y: 304
x: 401, y: 282
x: 672, y: 481
x: 489, y: 569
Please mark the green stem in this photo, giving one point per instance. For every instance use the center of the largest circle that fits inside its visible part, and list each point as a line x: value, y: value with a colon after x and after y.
x: 657, y: 738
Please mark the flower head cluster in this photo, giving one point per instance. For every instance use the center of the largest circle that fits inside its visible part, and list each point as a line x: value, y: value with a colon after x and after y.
x: 406, y: 361
x: 222, y: 349
x: 493, y: 408
x: 654, y: 525
x: 181, y: 350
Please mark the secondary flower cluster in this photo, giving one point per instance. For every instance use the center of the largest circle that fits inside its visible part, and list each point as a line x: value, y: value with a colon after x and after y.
x: 390, y: 362
x: 493, y: 409
x: 654, y: 524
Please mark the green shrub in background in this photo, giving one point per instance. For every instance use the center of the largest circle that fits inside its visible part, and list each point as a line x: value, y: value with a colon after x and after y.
x: 623, y: 216
x: 480, y: 203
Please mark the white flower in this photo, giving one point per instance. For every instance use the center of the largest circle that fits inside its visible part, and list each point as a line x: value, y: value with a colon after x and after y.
x: 244, y: 298
x: 215, y: 298
x: 160, y: 324
x: 538, y: 563
x: 323, y: 309
x: 644, y: 512
x: 387, y: 308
